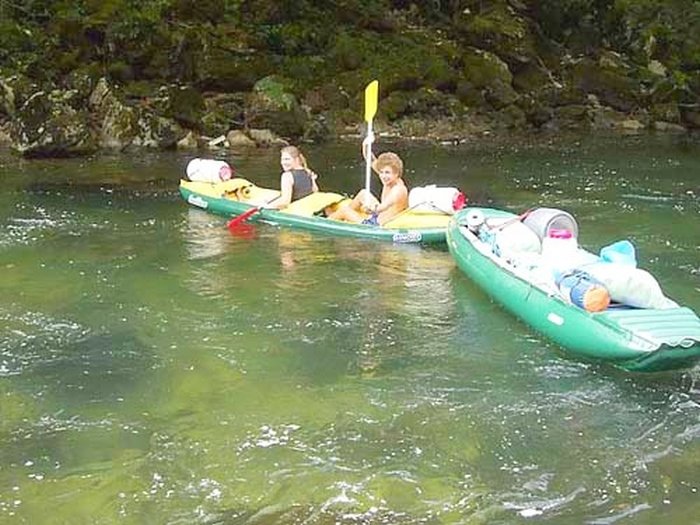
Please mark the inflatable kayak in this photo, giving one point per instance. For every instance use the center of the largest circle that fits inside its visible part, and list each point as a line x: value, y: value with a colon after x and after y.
x: 521, y: 269
x: 230, y: 198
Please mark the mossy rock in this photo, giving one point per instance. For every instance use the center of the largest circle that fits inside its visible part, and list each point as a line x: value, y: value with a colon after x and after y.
x: 223, y: 112
x: 15, y: 90
x: 565, y: 95
x: 138, y: 90
x: 349, y: 52
x: 117, y: 122
x: 604, y: 117
x: 48, y: 126
x: 275, y: 92
x: 326, y: 97
x: 228, y: 71
x: 500, y: 95
x: 673, y: 89
x: 316, y: 129
x: 186, y: 105
x: 432, y: 102
x: 530, y: 78
x: 537, y: 112
x: 482, y: 68
x: 120, y: 71
x: 575, y: 116
x: 498, y: 28
x: 471, y: 95
x: 511, y: 117
x: 305, y: 72
x: 396, y: 105
x: 668, y: 112
x: 158, y: 132
x: 409, y: 64
x: 342, y: 121
x: 401, y: 62
x: 613, y: 87
x: 83, y: 80
x: 271, y: 105
x: 485, y: 73
x: 690, y: 118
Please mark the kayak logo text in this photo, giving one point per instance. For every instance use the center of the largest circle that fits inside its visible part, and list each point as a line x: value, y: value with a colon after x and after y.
x: 411, y: 236
x: 194, y: 200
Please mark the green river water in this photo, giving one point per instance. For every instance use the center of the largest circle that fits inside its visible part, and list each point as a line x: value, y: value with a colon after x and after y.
x: 155, y: 369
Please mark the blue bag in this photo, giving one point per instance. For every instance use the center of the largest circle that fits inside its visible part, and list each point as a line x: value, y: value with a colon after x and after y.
x: 620, y: 252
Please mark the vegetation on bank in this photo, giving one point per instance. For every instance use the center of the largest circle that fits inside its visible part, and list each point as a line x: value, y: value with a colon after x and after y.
x: 76, y: 76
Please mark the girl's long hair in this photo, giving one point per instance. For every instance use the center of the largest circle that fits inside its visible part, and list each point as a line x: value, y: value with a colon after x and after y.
x: 297, y: 154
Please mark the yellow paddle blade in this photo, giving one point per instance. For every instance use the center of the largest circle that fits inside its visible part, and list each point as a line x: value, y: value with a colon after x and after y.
x: 371, y: 96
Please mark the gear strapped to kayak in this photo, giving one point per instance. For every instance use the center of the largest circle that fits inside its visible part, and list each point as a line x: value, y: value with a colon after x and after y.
x: 595, y: 309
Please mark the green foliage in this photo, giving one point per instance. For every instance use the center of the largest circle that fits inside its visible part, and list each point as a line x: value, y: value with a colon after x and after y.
x: 583, y: 25
x: 666, y: 30
x: 276, y: 89
x: 230, y: 44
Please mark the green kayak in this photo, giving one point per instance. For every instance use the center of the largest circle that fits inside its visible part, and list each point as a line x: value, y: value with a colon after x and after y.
x: 238, y: 196
x: 632, y: 338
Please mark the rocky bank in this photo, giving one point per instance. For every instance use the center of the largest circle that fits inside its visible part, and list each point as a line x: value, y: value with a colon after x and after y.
x: 251, y: 74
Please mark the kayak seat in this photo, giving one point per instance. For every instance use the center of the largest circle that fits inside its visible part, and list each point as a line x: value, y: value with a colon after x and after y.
x: 314, y: 203
x: 418, y: 219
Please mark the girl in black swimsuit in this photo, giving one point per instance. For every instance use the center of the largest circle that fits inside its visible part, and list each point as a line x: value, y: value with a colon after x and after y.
x: 297, y: 179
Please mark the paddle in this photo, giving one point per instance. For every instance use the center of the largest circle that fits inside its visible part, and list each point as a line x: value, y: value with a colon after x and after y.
x: 237, y: 221
x: 371, y: 97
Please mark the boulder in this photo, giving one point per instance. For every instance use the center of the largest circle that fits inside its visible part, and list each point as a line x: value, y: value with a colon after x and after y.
x: 511, y: 117
x: 237, y: 139
x: 481, y: 68
x: 7, y: 99
x: 224, y: 111
x: 231, y: 70
x: 157, y: 132
x: 266, y: 138
x: 185, y: 105
x: 272, y: 105
x: 574, y: 116
x: 47, y: 125
x: 5, y: 137
x: 117, y: 123
x: 487, y: 73
x: 668, y: 112
x: 14, y: 91
x: 631, y: 125
x: 604, y: 117
x: 188, y: 142
x: 613, y: 86
x: 536, y: 111
x: 668, y: 127
x: 691, y: 117
x: 326, y: 97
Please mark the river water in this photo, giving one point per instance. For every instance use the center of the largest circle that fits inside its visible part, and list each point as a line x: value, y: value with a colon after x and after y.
x: 155, y: 369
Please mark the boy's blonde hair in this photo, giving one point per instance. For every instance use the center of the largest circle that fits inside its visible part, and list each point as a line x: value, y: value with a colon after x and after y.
x: 392, y: 160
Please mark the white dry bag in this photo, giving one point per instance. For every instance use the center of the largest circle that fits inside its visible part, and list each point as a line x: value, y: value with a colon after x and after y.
x: 208, y: 170
x: 432, y: 199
